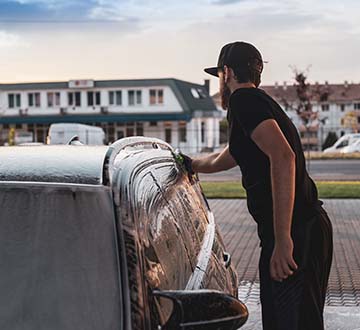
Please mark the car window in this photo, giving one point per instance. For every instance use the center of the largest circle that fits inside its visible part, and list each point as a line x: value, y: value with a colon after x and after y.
x: 161, y: 231
x: 59, y: 267
x: 192, y: 207
x: 167, y: 257
x: 343, y: 144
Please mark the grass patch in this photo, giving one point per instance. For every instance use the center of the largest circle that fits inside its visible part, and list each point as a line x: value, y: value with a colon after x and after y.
x: 327, y: 189
x: 318, y: 155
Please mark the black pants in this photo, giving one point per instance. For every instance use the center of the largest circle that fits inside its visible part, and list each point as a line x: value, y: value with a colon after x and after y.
x: 297, y: 303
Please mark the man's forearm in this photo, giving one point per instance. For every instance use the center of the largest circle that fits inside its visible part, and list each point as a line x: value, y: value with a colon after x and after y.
x: 215, y: 162
x: 283, y: 193
x: 205, y: 164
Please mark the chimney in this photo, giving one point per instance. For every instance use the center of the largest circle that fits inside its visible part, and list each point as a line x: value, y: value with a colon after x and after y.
x: 276, y: 85
x: 285, y: 86
x: 207, y: 85
x: 346, y: 84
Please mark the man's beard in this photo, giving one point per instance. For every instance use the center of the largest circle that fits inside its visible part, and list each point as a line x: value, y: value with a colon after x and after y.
x: 225, y: 96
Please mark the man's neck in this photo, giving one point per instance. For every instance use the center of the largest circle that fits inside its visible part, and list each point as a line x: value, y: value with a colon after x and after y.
x: 237, y: 85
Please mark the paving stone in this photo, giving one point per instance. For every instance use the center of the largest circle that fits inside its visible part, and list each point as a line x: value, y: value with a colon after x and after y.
x: 343, y: 297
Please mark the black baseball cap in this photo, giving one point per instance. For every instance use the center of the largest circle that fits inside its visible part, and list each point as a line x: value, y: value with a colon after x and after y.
x: 238, y: 55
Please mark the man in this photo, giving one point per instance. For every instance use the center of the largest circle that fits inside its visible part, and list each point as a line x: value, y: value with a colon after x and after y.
x: 294, y: 230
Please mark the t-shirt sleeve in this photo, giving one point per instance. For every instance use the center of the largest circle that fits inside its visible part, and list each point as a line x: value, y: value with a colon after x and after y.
x: 248, y: 111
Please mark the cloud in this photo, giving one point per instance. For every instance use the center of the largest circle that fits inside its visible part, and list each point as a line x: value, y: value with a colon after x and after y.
x: 10, y: 40
x: 44, y: 10
x: 226, y: 2
x: 54, y: 4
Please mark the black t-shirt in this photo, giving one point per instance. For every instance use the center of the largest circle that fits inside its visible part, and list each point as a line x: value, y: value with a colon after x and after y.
x: 248, y: 107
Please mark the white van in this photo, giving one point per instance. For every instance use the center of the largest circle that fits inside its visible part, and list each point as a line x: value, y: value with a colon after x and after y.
x: 353, y: 147
x: 344, y: 141
x: 62, y: 133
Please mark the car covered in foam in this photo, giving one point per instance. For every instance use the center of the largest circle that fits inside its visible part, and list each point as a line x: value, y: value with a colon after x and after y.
x: 110, y: 237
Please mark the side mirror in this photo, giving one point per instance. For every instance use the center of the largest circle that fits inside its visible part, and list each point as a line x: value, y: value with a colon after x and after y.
x: 204, y: 310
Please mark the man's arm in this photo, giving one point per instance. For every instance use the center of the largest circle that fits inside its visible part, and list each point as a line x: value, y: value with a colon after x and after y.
x: 270, y: 139
x: 215, y: 162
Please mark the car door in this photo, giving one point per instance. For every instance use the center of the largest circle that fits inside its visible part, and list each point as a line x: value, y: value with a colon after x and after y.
x: 171, y: 228
x: 160, y: 236
x: 182, y: 234
x: 211, y: 271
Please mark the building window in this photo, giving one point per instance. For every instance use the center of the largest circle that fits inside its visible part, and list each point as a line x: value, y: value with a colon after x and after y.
x: 342, y: 107
x: 202, y: 132
x: 198, y: 93
x: 156, y: 96
x: 168, y: 135
x: 356, y: 106
x: 130, y: 131
x: 53, y: 99
x: 34, y: 100
x: 115, y: 98
x: 93, y: 98
x: 182, y: 132
x: 134, y: 97
x: 153, y: 123
x: 325, y: 107
x: 14, y: 100
x: 74, y: 99
x: 139, y: 129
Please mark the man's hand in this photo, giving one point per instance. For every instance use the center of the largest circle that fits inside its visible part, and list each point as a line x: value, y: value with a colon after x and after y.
x: 282, y: 263
x: 184, y: 161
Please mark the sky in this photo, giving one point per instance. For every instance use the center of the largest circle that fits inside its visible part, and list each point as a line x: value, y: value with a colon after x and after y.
x: 56, y: 40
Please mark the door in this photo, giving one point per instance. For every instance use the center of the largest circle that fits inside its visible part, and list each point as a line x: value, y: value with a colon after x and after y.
x: 120, y: 134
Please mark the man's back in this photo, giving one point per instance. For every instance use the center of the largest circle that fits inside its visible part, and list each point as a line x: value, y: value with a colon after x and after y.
x: 249, y: 107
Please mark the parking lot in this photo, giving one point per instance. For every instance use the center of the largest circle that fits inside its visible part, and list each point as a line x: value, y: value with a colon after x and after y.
x: 343, y: 297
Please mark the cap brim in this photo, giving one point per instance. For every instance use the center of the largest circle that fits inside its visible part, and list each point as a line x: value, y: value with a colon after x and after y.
x: 213, y: 71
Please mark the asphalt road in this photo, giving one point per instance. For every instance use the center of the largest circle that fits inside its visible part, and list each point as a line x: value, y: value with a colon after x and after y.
x: 321, y: 170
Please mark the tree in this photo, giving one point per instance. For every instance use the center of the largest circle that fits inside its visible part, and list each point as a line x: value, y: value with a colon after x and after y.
x: 306, y: 95
x: 350, y: 120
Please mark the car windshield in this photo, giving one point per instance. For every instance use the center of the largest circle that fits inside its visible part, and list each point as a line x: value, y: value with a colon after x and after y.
x: 59, y: 265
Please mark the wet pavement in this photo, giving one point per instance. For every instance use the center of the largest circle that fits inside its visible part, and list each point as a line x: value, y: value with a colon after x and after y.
x: 343, y: 298
x: 336, y: 318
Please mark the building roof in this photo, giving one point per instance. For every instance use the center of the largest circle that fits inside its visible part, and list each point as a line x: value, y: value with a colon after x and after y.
x: 341, y: 93
x: 182, y: 90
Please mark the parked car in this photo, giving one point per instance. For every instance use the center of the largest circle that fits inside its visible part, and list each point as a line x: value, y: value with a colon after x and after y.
x: 342, y: 142
x: 62, y: 133
x: 110, y: 237
x: 353, y: 147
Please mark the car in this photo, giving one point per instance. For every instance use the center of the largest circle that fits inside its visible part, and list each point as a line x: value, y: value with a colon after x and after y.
x: 353, y: 147
x: 110, y: 237
x: 62, y: 133
x: 342, y: 142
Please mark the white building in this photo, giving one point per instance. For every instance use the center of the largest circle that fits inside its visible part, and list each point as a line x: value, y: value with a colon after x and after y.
x: 337, y: 103
x: 179, y: 112
x: 333, y: 112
